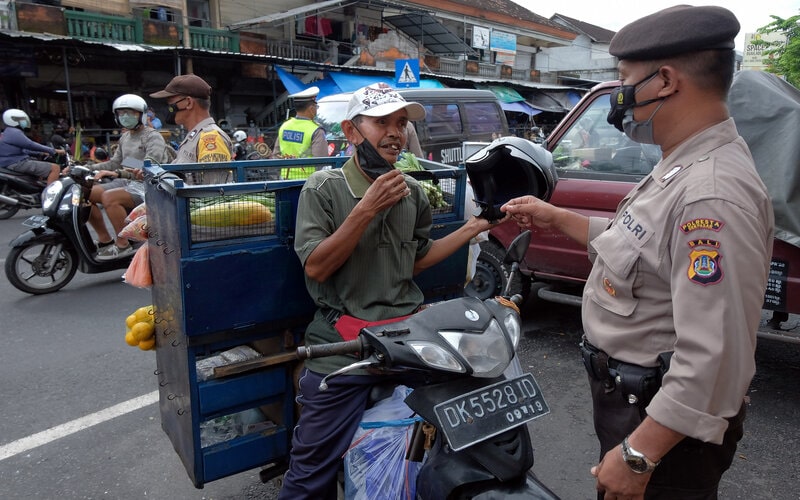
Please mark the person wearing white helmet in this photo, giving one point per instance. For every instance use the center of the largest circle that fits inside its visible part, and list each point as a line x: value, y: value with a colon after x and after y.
x: 16, y: 148
x: 137, y: 142
x: 239, y: 149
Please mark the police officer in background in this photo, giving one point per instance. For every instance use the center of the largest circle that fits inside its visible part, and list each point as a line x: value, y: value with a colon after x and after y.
x: 300, y: 136
x: 188, y: 103
x: 681, y: 269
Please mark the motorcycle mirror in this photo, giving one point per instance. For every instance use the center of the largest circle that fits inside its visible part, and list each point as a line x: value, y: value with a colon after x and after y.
x: 518, y: 247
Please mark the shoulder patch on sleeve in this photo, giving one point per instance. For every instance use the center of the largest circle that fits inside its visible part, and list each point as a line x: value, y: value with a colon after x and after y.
x: 705, y: 266
x: 212, y: 148
x: 701, y: 223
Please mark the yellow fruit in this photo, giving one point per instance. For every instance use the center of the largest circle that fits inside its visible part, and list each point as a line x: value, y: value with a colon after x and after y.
x: 147, y: 345
x: 130, y: 339
x: 130, y: 321
x: 144, y: 313
x: 142, y: 331
x: 234, y: 213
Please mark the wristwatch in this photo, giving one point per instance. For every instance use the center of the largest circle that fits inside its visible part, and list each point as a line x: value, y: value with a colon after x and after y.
x: 636, y: 460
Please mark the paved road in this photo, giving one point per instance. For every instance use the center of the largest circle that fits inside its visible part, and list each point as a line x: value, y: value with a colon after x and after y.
x: 64, y: 361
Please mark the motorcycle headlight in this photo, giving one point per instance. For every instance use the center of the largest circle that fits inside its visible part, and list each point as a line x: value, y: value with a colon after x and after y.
x: 513, y: 327
x: 488, y: 353
x: 50, y: 194
x: 436, y: 356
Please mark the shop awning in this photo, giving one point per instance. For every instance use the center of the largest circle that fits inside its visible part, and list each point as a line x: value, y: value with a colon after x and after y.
x: 336, y: 82
x: 520, y: 107
x: 310, y: 9
x: 429, y: 32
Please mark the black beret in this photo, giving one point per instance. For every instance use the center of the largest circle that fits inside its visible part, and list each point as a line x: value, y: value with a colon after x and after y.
x: 677, y: 30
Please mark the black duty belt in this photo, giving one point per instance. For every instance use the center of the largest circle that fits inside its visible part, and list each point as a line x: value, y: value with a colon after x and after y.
x: 637, y: 384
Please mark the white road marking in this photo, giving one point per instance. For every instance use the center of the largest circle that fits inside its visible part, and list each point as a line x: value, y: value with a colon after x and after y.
x: 79, y: 424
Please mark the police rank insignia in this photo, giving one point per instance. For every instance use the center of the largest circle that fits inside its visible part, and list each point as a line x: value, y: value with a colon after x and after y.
x: 704, y: 262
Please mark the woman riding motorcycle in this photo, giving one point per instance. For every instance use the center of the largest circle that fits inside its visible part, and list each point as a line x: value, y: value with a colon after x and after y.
x: 137, y: 142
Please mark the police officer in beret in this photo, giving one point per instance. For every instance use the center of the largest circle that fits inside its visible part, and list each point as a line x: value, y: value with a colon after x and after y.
x: 300, y: 136
x: 673, y: 302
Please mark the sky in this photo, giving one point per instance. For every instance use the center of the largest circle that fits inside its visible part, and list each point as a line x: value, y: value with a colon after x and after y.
x: 614, y: 14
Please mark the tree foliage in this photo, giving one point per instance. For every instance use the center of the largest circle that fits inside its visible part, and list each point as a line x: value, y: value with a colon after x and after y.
x: 783, y: 58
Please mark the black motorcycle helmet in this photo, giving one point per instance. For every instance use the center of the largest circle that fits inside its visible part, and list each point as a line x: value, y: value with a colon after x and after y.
x: 507, y: 168
x: 100, y: 154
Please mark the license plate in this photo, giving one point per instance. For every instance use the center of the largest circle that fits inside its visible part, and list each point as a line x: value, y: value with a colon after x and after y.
x: 35, y: 221
x: 489, y: 411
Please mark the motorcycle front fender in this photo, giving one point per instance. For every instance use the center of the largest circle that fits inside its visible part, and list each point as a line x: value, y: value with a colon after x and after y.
x: 41, y: 235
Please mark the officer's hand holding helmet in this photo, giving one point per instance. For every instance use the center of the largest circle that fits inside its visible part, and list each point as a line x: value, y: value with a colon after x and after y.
x: 123, y: 105
x: 16, y: 118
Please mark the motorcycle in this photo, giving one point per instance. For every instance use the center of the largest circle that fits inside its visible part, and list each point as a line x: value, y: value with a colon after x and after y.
x: 462, y: 349
x: 19, y: 191
x: 58, y: 243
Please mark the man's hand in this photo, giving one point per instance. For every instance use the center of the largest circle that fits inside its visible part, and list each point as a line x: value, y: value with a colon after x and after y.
x: 105, y: 173
x: 617, y: 480
x: 385, y: 192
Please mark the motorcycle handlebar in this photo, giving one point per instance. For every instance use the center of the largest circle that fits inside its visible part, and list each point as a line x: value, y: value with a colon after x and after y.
x: 333, y: 349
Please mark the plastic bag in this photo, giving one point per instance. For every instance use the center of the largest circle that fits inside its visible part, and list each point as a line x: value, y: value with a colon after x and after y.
x: 137, y: 212
x: 138, y: 273
x: 375, y: 465
x: 136, y: 230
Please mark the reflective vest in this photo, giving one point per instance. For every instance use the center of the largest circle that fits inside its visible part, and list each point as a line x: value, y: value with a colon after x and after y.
x: 295, y: 141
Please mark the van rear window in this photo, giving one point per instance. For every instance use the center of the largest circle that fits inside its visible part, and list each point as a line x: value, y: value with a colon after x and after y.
x: 483, y: 118
x: 443, y: 119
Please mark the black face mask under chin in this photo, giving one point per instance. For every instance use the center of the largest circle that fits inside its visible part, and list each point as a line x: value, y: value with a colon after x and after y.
x: 370, y: 160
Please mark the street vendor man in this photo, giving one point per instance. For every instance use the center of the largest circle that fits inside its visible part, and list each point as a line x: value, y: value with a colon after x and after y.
x: 673, y: 301
x: 300, y: 136
x: 188, y: 103
x: 362, y: 233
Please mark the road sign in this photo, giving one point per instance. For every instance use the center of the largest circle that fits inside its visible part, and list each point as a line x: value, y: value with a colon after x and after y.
x: 406, y: 73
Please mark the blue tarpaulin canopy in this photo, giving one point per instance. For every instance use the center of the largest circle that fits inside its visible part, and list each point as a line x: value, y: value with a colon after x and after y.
x: 338, y: 82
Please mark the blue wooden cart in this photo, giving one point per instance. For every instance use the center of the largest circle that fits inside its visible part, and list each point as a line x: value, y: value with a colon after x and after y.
x: 217, y: 289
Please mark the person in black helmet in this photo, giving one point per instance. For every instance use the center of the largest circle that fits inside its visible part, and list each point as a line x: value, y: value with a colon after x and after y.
x: 673, y: 301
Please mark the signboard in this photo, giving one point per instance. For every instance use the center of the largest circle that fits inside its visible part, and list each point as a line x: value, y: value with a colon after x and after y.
x: 406, y: 73
x: 753, y: 57
x: 480, y: 37
x: 503, y: 42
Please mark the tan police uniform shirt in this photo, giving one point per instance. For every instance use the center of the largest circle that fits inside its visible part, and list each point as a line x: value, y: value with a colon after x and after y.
x: 683, y: 266
x: 207, y: 143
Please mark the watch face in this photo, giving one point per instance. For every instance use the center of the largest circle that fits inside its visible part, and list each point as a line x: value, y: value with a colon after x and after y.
x: 637, y: 464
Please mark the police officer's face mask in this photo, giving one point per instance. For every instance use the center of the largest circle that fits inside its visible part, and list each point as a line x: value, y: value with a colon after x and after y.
x: 641, y: 132
x: 173, y: 110
x: 623, y: 98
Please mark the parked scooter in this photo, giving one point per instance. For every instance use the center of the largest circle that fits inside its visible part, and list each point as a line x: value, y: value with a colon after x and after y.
x: 462, y: 348
x: 46, y: 257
